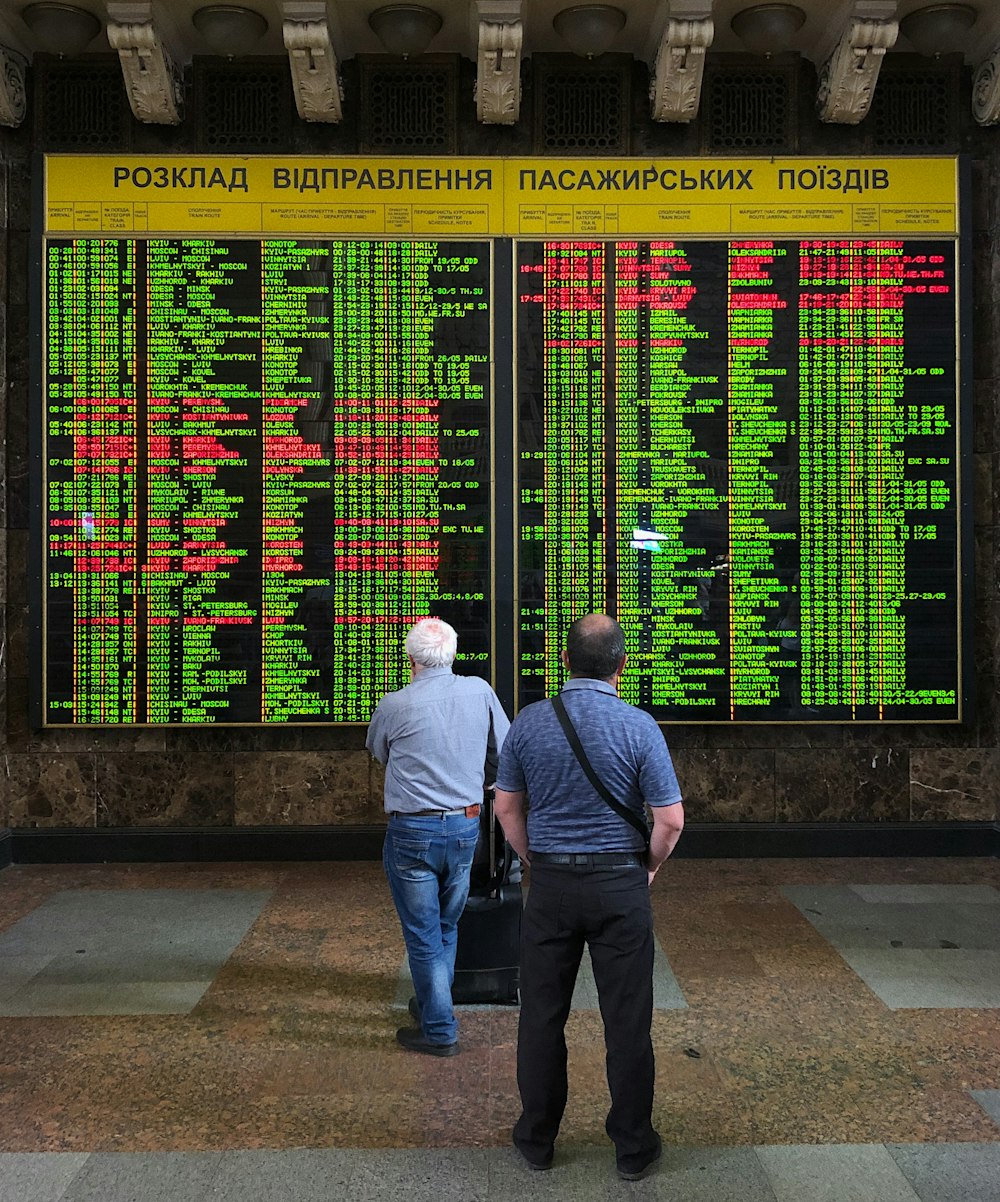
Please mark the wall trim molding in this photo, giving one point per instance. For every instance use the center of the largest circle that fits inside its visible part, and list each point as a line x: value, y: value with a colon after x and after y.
x: 710, y: 840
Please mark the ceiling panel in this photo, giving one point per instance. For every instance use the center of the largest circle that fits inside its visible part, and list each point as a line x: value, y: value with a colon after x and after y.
x: 348, y: 19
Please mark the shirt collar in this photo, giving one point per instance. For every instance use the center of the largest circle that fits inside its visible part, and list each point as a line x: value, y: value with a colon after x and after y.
x: 430, y: 674
x: 589, y: 682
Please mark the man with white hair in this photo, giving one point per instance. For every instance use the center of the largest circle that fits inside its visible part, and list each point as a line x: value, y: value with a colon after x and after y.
x: 439, y: 738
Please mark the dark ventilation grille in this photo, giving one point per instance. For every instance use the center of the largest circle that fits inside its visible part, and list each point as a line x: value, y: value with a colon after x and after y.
x: 749, y: 109
x: 408, y: 108
x: 81, y: 106
x: 579, y: 108
x: 914, y: 109
x: 243, y: 106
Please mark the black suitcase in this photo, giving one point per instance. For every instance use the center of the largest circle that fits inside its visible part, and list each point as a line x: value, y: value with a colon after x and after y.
x: 489, y: 931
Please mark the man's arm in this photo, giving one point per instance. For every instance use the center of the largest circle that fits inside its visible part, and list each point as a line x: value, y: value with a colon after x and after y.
x: 376, y: 740
x: 499, y: 725
x: 668, y: 822
x: 509, y: 809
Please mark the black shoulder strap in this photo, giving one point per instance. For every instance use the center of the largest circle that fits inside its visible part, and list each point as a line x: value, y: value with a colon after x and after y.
x: 622, y: 811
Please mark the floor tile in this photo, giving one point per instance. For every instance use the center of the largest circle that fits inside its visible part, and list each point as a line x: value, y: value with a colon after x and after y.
x: 989, y: 1099
x: 286, y: 1175
x: 951, y: 1172
x: 162, y: 1177
x: 711, y: 1175
x: 578, y: 1174
x: 422, y: 1175
x: 845, y: 1173
x: 983, y: 924
x: 912, y: 926
x: 979, y: 971
x: 128, y: 951
x: 588, y: 1174
x: 909, y: 979
x: 915, y: 946
x: 825, y: 901
x: 38, y: 1176
x: 18, y: 968
x: 935, y: 894
x: 111, y: 967
x: 41, y: 999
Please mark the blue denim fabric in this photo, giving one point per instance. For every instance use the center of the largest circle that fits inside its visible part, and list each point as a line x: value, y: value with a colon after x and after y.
x: 427, y: 860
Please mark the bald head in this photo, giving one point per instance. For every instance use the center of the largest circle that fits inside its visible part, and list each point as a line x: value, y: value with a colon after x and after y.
x: 595, y: 647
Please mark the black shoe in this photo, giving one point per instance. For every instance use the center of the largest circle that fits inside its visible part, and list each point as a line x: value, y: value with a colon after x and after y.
x: 638, y: 1173
x: 414, y: 1008
x: 413, y: 1040
x: 540, y: 1166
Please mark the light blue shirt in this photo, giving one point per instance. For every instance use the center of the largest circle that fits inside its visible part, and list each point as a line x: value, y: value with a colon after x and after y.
x: 625, y: 748
x: 440, y: 740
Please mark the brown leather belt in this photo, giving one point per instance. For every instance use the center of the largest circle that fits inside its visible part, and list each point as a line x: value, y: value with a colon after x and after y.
x: 469, y: 812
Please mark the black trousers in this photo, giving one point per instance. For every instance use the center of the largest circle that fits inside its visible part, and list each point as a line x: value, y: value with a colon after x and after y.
x: 608, y: 909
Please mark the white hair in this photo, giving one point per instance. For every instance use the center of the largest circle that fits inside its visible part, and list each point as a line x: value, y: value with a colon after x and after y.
x: 432, y: 643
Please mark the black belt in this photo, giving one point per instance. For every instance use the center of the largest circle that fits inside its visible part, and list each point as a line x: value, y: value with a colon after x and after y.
x: 587, y: 859
x: 467, y: 812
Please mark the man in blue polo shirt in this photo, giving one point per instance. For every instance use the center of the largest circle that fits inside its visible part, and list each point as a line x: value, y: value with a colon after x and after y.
x: 590, y: 878
x: 438, y: 737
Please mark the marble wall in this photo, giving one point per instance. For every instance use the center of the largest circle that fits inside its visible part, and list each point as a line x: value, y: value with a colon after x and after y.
x: 301, y: 777
x: 4, y: 372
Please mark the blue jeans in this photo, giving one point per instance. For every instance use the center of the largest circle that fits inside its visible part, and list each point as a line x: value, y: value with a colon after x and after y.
x: 427, y: 860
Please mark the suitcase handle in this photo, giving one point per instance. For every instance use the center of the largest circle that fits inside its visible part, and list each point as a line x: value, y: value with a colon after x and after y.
x: 500, y: 857
x: 491, y: 797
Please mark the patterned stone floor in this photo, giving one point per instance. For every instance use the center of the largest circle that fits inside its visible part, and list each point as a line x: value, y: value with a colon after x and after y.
x: 201, y: 1026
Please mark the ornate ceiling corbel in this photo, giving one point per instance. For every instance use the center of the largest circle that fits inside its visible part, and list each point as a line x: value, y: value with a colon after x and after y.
x: 675, y: 89
x: 847, y: 80
x: 986, y: 90
x: 498, y: 73
x: 12, y: 95
x: 153, y: 82
x: 319, y: 95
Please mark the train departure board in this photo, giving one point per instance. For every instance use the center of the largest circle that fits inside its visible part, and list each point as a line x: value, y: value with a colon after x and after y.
x: 263, y: 460
x: 747, y: 450
x: 288, y: 405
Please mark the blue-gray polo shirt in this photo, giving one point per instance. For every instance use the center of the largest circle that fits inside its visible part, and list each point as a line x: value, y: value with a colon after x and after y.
x: 436, y: 737
x: 625, y: 748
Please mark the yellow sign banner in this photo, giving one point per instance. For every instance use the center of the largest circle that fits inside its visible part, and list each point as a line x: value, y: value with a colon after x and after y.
x: 110, y: 195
